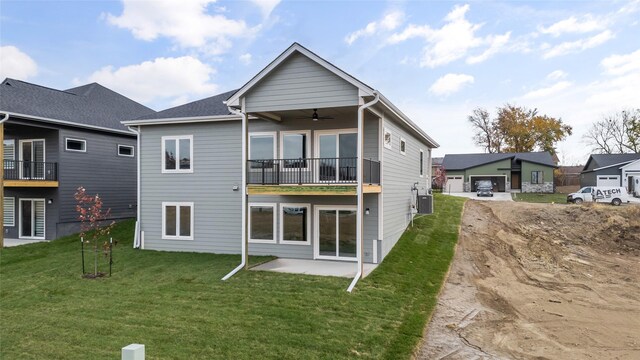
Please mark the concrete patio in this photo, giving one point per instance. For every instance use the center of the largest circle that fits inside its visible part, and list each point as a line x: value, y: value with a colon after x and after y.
x: 18, y: 242
x: 314, y: 267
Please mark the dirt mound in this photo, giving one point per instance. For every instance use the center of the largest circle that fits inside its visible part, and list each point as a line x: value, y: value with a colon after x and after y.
x: 541, y: 281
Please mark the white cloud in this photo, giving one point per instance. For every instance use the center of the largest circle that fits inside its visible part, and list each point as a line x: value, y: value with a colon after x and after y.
x: 622, y: 64
x: 547, y: 91
x: 452, y: 41
x: 573, y: 25
x: 187, y: 23
x: 266, y: 6
x: 388, y: 22
x: 450, y: 83
x: 16, y: 64
x: 245, y: 58
x: 578, y: 45
x: 557, y: 75
x: 162, y: 80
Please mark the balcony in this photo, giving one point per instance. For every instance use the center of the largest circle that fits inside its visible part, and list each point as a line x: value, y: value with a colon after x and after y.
x: 311, y: 176
x: 30, y: 174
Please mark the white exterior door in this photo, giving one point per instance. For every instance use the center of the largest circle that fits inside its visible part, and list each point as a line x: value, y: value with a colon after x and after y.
x: 454, y: 184
x: 608, y: 180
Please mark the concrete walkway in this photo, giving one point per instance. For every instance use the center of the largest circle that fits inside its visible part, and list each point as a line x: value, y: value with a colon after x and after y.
x: 18, y: 242
x: 315, y: 267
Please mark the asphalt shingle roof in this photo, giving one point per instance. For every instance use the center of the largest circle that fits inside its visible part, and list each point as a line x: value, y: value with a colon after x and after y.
x: 604, y: 160
x: 210, y: 106
x: 91, y: 104
x: 466, y: 161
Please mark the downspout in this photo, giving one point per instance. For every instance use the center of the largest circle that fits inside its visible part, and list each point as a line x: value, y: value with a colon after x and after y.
x: 244, y: 251
x: 4, y: 118
x: 360, y: 212
x: 137, y: 244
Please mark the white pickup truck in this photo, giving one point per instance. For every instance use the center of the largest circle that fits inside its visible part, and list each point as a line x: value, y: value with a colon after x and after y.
x: 612, y: 195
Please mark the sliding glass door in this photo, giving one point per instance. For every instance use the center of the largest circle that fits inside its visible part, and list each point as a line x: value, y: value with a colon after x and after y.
x: 335, y: 232
x: 32, y: 218
x: 337, y: 150
x: 32, y: 157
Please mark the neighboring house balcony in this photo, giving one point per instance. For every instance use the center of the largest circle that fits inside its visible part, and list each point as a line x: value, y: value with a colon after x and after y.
x: 30, y: 174
x: 311, y: 176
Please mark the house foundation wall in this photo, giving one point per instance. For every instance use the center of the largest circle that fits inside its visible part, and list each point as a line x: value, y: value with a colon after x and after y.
x: 528, y: 187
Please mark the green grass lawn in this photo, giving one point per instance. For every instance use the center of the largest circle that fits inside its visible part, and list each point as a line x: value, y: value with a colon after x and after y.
x: 176, y: 305
x: 540, y: 198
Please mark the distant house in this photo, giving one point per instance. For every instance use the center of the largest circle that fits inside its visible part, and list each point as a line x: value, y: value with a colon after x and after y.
x: 610, y: 170
x: 525, y: 172
x: 57, y: 140
x: 436, y: 166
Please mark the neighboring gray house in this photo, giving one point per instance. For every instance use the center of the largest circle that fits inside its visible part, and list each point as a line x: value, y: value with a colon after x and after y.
x: 55, y: 141
x: 317, y: 164
x: 519, y: 172
x: 610, y: 170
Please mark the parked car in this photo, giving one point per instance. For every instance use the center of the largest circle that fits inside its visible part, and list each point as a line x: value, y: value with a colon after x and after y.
x: 484, y: 188
x: 603, y: 194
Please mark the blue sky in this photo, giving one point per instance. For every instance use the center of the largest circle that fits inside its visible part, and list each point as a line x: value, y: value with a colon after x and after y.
x: 436, y: 61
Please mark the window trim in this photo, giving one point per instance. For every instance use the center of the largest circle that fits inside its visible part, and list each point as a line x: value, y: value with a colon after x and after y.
x: 44, y: 219
x: 177, y: 170
x: 539, y: 175
x: 384, y: 143
x: 133, y: 150
x: 281, y: 213
x: 177, y: 204
x: 13, y: 211
x: 402, y: 140
x: 275, y: 235
x: 307, y: 133
x: 66, y: 144
x: 421, y: 157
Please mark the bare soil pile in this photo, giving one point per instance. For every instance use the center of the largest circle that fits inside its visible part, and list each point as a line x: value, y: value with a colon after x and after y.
x: 541, y: 281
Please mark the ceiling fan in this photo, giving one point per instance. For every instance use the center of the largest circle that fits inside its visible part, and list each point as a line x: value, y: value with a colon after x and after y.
x: 315, y: 116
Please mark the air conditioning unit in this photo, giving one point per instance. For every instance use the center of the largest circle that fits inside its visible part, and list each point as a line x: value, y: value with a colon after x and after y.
x: 425, y: 204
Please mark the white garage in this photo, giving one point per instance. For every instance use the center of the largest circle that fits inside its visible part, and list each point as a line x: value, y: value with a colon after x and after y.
x: 455, y: 184
x: 608, y: 180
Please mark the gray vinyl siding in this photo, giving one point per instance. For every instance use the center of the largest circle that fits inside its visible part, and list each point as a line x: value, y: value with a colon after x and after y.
x: 217, y: 168
x: 400, y: 172
x: 51, y: 210
x: 591, y: 178
x: 100, y: 171
x: 300, y: 83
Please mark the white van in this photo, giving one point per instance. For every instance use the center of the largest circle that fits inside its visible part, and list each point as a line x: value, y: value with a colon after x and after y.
x: 603, y: 194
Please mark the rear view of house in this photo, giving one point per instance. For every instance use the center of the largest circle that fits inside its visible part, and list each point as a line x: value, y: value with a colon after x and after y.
x: 57, y: 140
x: 520, y: 172
x: 304, y: 161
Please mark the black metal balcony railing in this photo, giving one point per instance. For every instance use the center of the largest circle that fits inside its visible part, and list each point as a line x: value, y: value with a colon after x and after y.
x: 30, y: 170
x: 311, y: 171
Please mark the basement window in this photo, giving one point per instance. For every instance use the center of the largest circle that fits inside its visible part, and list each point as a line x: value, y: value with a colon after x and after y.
x: 75, y: 145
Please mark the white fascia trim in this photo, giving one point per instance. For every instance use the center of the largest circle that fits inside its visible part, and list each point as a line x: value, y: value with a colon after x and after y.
x: 182, y: 120
x: 70, y: 123
x: 389, y: 105
x: 263, y: 241
x: 234, y: 100
x: 308, y: 230
x: 635, y: 162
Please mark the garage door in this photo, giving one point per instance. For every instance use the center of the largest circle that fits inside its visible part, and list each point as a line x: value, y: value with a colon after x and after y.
x: 609, y: 180
x: 454, y: 183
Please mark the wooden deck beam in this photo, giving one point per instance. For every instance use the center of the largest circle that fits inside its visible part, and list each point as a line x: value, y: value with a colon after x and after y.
x: 30, y: 183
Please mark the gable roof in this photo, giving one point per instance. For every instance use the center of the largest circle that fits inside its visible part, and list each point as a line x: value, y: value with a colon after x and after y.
x: 91, y: 106
x: 211, y: 106
x: 466, y: 161
x: 602, y: 161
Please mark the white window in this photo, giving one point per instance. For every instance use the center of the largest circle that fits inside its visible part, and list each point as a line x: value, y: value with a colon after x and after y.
x: 262, y: 223
x: 177, y: 220
x: 295, y: 224
x: 262, y: 149
x: 294, y: 145
x: 78, y: 145
x: 387, y: 138
x: 126, y: 150
x: 9, y: 211
x: 537, y: 177
x: 421, y: 163
x: 403, y: 146
x: 177, y: 154
x: 9, y: 154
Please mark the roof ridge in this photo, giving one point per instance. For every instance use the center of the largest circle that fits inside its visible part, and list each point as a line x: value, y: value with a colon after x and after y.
x: 37, y: 85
